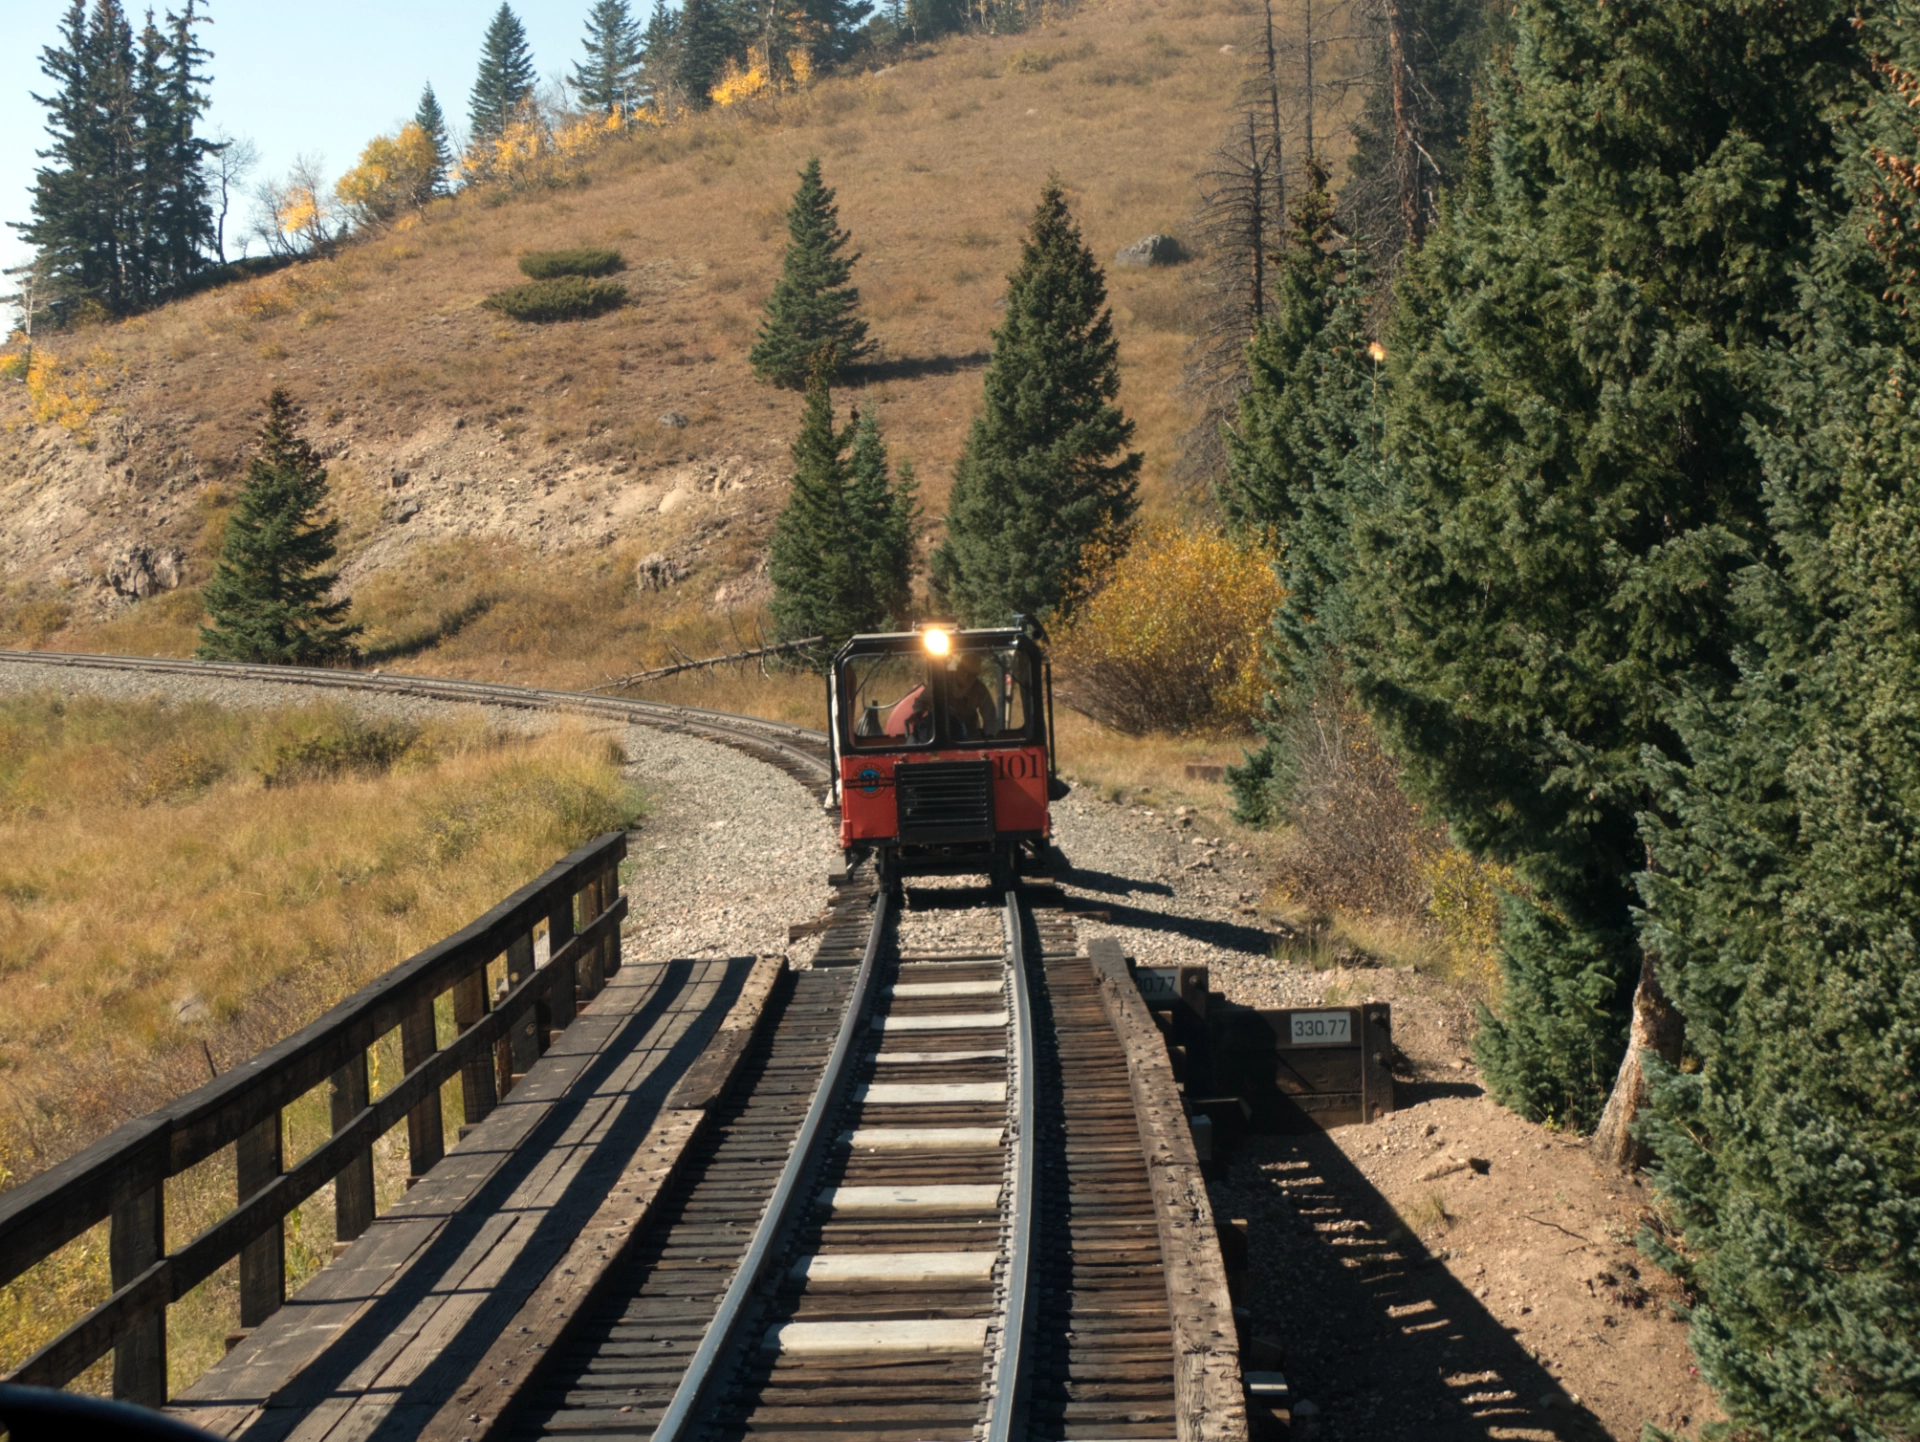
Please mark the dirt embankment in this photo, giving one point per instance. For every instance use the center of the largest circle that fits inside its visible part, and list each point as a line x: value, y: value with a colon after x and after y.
x: 1449, y: 1272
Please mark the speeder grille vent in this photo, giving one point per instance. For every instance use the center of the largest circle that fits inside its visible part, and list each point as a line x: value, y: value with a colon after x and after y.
x: 945, y: 802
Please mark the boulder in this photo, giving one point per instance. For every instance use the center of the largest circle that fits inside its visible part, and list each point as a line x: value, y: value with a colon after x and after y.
x: 1150, y: 250
x: 673, y: 421
x: 140, y: 571
x: 656, y: 572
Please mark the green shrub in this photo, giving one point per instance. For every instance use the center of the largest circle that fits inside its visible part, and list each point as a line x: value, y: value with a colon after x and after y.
x: 322, y: 744
x: 550, y: 264
x: 570, y: 297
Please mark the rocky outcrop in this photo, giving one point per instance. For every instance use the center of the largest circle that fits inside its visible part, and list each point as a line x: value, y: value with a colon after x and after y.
x: 139, y: 571
x: 657, y: 571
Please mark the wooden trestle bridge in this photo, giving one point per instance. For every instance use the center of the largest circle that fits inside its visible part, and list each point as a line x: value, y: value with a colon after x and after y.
x: 903, y: 1194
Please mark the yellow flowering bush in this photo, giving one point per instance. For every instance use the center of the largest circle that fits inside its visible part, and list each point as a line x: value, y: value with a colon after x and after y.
x: 535, y: 149
x: 62, y: 393
x: 395, y: 173
x: 1463, y: 900
x: 761, y: 75
x: 738, y: 83
x: 1170, y: 635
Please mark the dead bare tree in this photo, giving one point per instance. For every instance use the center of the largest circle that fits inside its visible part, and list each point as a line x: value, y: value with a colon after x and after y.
x: 1411, y: 137
x: 228, y: 163
x: 40, y: 291
x: 1288, y: 110
x: 689, y: 663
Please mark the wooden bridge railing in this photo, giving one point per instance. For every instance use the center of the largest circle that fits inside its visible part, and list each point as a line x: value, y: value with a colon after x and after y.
x: 121, y: 1179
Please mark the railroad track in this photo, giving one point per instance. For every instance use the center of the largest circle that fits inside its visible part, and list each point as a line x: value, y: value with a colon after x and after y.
x: 918, y: 1208
x: 796, y: 750
x: 926, y: 1217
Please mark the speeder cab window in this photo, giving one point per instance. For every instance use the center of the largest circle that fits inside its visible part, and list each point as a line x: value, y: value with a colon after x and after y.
x: 987, y: 695
x: 888, y: 703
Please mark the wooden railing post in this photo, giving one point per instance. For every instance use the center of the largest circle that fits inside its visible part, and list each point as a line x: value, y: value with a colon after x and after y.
x: 353, y: 1188
x: 136, y: 1239
x: 258, y: 1160
x: 530, y: 1032
x: 610, y: 948
x: 477, y: 1094
x: 590, y: 975
x: 561, y: 996
x: 426, y: 1134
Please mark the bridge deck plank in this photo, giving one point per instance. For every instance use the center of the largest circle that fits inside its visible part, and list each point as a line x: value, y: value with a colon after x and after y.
x: 398, y: 1321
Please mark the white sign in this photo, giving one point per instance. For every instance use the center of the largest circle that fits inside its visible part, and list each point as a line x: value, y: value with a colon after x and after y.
x: 1323, y: 1028
x: 1158, y: 983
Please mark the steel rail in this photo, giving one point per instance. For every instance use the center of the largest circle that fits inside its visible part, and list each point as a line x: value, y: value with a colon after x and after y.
x: 703, y: 1369
x: 771, y: 735
x: 1006, y: 1418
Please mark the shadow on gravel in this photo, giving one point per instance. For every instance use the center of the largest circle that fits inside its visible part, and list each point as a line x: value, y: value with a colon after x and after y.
x: 1412, y: 1093
x: 1227, y: 935
x: 946, y: 898
x: 1375, y: 1331
x: 1107, y: 884
x: 910, y: 367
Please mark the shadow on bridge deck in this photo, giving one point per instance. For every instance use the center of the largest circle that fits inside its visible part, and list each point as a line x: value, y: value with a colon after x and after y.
x: 377, y: 1342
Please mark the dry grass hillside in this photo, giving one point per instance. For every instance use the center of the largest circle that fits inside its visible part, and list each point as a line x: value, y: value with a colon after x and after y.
x: 499, y: 480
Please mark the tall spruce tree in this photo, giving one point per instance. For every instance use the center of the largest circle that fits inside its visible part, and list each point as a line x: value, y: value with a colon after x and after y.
x: 267, y: 601
x: 883, y: 510
x: 1783, y: 900
x: 810, y: 323
x: 704, y: 40
x: 505, y: 78
x: 835, y: 27
x: 171, y: 96
x: 1576, y: 357
x: 607, y: 78
x: 842, y: 551
x: 1045, y: 471
x: 433, y: 124
x: 1303, y: 460
x: 660, y: 60
x: 120, y: 212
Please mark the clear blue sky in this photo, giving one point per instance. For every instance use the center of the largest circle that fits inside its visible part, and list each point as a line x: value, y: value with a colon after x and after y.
x: 322, y: 78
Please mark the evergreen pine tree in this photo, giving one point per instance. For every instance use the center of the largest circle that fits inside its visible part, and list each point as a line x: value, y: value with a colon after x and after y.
x: 1037, y: 481
x: 835, y: 27
x: 267, y: 599
x: 660, y: 60
x: 1575, y: 357
x: 120, y: 214
x: 816, y: 573
x: 84, y: 220
x: 883, y: 513
x: 1302, y: 462
x: 704, y: 42
x: 433, y: 124
x: 606, y: 79
x: 810, y: 322
x: 1782, y: 900
x: 505, y: 79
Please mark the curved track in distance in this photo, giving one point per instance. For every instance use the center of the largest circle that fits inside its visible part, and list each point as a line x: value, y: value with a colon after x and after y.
x: 800, y: 752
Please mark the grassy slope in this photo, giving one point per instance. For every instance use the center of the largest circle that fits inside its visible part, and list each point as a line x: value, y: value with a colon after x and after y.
x: 936, y: 163
x: 163, y: 911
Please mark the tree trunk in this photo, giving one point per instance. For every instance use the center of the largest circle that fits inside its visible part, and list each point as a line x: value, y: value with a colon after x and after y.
x: 1406, y: 164
x: 1657, y: 1028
